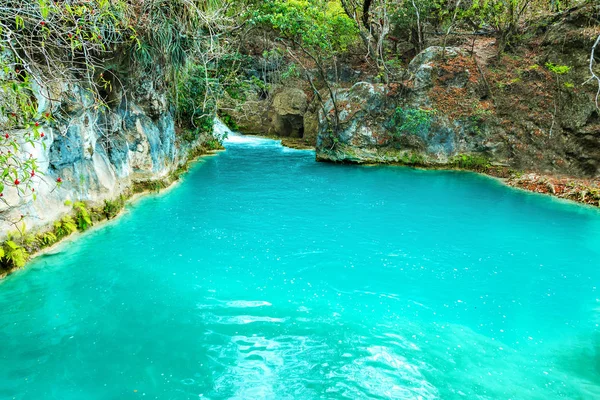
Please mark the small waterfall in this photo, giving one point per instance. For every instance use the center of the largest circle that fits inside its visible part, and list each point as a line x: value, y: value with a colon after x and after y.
x: 222, y: 132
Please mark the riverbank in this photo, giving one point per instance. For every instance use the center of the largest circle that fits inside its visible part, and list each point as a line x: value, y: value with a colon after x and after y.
x: 292, y: 143
x: 70, y: 226
x: 41, y: 242
x: 579, y: 190
x: 582, y: 191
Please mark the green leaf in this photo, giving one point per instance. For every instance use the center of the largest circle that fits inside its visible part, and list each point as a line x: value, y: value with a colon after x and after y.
x: 19, y: 22
x: 44, y: 8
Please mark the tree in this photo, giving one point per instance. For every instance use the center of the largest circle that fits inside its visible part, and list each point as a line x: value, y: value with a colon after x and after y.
x: 314, y: 33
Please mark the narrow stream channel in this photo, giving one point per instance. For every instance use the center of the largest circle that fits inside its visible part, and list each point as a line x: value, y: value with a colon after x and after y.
x: 267, y: 275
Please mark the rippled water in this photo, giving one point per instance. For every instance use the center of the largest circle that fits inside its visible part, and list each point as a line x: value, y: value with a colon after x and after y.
x: 268, y: 275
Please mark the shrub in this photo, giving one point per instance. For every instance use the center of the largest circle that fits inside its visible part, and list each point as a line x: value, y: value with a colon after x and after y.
x: 65, y: 227
x: 558, y: 69
x: 411, y: 120
x: 83, y: 220
x: 228, y: 121
x: 46, y: 239
x: 13, y: 255
x: 470, y: 161
x: 113, y: 207
x: 213, y: 144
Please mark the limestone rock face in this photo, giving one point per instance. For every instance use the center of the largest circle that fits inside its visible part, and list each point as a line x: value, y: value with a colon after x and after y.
x: 284, y: 112
x: 383, y: 124
x: 517, y: 113
x: 422, y: 67
x: 97, y: 154
x: 311, y: 124
x: 288, y: 109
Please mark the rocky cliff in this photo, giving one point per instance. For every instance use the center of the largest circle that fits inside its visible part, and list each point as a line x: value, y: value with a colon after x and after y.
x: 403, y: 123
x: 285, y: 111
x: 529, y: 110
x: 95, y: 154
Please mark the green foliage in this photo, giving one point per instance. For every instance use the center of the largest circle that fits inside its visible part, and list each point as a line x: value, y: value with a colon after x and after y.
x: 229, y: 71
x: 47, y: 239
x: 491, y: 12
x: 314, y: 33
x: 471, y: 162
x: 569, y: 85
x: 413, y: 158
x: 411, y: 120
x: 558, y: 69
x: 317, y: 24
x: 404, y: 15
x: 14, y: 255
x: 113, y: 207
x: 213, y: 144
x: 200, y: 86
x: 13, y: 252
x: 82, y: 216
x: 290, y: 72
x: 264, y: 87
x: 65, y: 227
x: 196, y: 104
x: 228, y: 121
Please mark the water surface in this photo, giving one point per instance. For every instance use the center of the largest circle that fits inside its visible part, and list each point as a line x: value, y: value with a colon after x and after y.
x: 268, y: 275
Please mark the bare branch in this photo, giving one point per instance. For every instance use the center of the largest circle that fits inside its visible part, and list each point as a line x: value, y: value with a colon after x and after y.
x: 594, y: 77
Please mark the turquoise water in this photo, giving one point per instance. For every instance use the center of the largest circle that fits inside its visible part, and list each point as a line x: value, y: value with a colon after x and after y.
x: 268, y: 275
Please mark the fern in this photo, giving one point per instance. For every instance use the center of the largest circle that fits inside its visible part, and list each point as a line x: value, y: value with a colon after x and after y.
x: 14, y: 255
x: 65, y: 227
x: 83, y: 219
x: 46, y: 239
x: 113, y: 207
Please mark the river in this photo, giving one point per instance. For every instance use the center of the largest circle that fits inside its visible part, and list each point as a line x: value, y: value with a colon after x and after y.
x: 265, y: 274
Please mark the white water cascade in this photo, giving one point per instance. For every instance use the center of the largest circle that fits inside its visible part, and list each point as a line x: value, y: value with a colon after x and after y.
x: 227, y: 136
